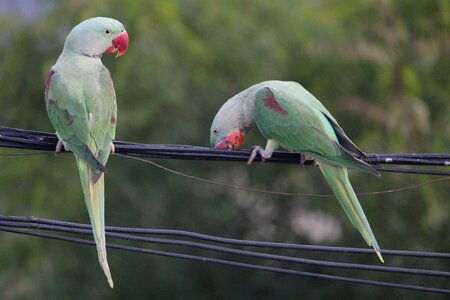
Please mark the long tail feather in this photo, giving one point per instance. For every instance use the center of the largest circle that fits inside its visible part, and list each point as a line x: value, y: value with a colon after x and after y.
x: 93, y: 189
x: 337, y: 178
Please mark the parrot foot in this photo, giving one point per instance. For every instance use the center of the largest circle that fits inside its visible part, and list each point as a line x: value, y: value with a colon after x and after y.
x: 60, y: 145
x: 113, y: 148
x: 306, y: 160
x: 255, y: 151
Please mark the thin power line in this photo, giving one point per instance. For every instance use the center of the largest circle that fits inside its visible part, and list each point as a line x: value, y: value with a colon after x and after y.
x: 222, y: 240
x: 245, y: 253
x: 235, y: 263
x: 277, y: 193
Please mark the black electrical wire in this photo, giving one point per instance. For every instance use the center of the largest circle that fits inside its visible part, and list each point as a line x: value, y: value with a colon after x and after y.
x: 246, y: 253
x: 414, y: 171
x: 234, y: 263
x: 36, y: 140
x: 215, y: 239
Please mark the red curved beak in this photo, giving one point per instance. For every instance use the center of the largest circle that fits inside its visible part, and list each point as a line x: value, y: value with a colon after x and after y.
x: 233, y: 141
x: 222, y: 144
x: 119, y: 44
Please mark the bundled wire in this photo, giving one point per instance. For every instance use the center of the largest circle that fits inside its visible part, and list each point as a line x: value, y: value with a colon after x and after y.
x: 34, y: 226
x: 46, y: 143
x: 43, y: 141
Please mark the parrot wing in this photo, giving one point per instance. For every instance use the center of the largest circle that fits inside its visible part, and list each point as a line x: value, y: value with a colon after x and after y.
x: 298, y: 124
x: 308, y: 98
x: 83, y: 117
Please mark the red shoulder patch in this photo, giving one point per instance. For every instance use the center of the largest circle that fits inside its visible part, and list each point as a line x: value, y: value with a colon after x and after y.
x: 271, y: 102
x: 48, y: 80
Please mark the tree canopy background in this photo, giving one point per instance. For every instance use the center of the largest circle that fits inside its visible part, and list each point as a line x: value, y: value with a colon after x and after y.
x: 380, y: 67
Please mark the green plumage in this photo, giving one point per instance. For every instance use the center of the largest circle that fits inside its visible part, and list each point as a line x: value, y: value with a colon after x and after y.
x: 291, y: 117
x: 81, y: 105
x: 306, y: 126
x: 83, y: 108
x: 337, y: 178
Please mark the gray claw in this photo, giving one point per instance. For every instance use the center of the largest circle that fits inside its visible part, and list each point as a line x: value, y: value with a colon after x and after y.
x: 60, y: 145
x: 255, y: 151
x: 304, y: 158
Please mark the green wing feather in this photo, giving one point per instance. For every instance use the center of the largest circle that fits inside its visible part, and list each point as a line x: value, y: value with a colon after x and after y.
x: 295, y: 119
x: 83, y: 112
x: 81, y: 105
x: 306, y: 127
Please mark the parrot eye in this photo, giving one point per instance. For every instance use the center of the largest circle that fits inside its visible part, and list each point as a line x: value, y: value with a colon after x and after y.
x: 216, y: 131
x: 107, y: 31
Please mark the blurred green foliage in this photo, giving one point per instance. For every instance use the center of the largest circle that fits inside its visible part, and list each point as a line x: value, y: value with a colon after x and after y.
x: 381, y: 67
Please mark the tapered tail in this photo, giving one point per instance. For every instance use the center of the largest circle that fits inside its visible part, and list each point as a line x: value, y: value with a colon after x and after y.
x: 337, y: 178
x: 94, y: 196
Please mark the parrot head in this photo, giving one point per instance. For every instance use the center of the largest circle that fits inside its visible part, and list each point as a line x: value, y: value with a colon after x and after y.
x: 96, y: 36
x: 227, y: 130
x: 233, y: 140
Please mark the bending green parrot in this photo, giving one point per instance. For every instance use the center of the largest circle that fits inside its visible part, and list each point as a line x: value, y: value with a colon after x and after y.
x: 291, y: 117
x: 81, y: 105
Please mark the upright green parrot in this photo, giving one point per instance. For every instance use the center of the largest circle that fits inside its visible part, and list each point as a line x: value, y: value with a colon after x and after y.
x: 81, y: 105
x: 291, y: 117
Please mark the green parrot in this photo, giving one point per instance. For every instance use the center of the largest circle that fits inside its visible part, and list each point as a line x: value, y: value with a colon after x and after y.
x: 81, y: 105
x: 291, y: 117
